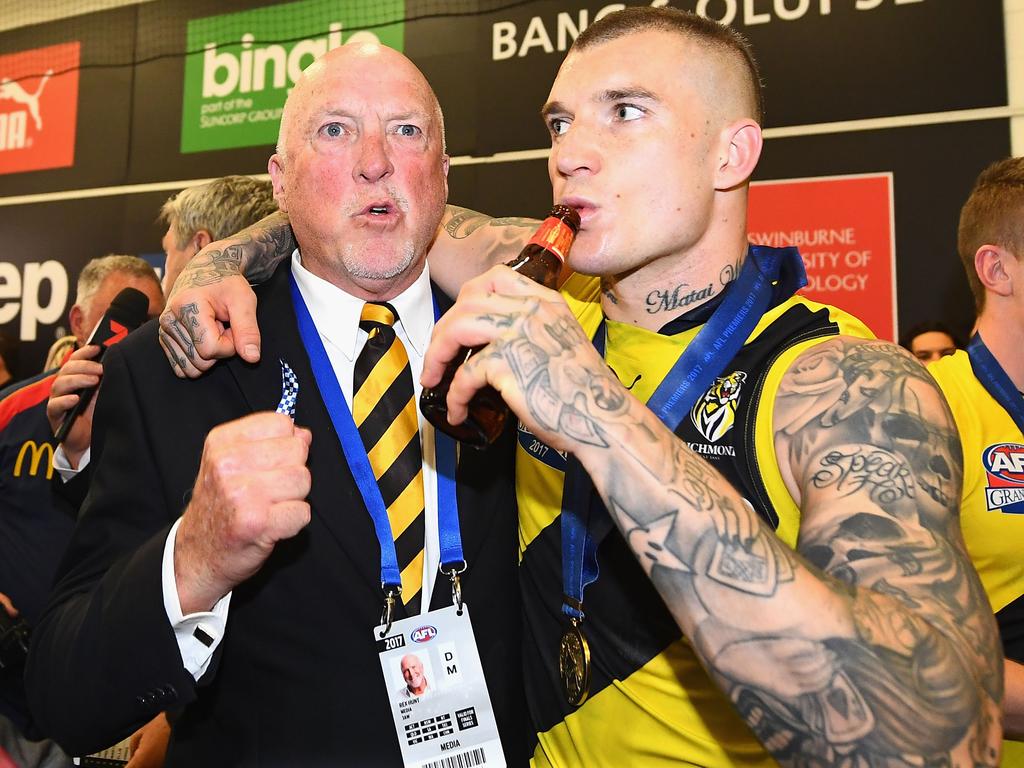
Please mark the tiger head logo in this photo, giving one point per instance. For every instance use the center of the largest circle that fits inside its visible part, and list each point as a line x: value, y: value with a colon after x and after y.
x: 713, y: 415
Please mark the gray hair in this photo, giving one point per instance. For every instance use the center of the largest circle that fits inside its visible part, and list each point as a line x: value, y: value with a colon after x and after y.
x: 222, y: 207
x: 97, y: 270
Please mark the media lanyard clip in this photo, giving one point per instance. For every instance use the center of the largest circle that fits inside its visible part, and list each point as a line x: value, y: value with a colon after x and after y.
x: 387, y: 615
x: 453, y: 573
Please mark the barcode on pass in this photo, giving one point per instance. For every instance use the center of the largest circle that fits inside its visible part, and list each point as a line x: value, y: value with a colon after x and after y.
x: 462, y: 760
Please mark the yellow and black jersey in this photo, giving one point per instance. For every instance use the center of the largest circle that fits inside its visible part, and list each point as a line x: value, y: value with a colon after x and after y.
x: 651, y: 702
x: 992, y: 503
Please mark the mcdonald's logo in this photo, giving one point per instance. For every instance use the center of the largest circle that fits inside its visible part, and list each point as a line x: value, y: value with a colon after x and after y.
x: 37, y: 450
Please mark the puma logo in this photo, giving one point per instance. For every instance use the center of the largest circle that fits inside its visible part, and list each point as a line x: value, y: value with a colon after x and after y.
x: 11, y: 89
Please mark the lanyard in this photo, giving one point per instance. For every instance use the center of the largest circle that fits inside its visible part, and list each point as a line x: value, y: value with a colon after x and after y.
x: 992, y: 376
x: 768, y: 277
x: 352, y: 446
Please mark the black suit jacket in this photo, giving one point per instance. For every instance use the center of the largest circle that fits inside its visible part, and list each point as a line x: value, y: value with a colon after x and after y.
x: 296, y: 679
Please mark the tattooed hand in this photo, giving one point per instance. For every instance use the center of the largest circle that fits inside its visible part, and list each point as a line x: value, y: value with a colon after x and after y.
x: 537, y: 356
x: 211, y: 310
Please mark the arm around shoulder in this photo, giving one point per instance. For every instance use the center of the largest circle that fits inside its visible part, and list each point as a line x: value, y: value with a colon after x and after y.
x: 469, y: 243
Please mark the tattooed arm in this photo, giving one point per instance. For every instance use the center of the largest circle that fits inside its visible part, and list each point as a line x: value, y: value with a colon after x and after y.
x: 872, y: 643
x: 211, y: 310
x: 469, y: 243
x: 213, y: 291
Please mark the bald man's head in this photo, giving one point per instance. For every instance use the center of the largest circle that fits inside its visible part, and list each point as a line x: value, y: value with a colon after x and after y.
x: 361, y: 169
x: 353, y: 57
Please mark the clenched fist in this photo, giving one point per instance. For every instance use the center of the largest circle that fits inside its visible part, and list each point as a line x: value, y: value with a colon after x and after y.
x: 250, y: 494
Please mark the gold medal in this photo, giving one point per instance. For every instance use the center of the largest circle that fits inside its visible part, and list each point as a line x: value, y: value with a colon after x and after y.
x: 574, y: 665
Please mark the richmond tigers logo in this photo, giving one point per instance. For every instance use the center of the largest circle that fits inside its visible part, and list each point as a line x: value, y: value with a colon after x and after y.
x: 713, y: 415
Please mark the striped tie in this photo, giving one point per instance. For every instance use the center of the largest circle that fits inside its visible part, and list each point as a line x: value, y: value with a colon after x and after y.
x: 384, y: 409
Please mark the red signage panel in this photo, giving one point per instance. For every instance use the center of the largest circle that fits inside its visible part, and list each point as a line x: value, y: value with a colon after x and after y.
x: 843, y: 226
x: 38, y: 108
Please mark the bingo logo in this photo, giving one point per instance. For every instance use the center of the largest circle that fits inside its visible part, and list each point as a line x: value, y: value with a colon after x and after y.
x: 1004, y: 467
x: 423, y: 634
x: 38, y: 108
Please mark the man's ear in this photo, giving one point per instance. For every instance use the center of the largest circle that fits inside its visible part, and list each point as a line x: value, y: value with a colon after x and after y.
x: 740, y: 144
x: 996, y: 268
x: 275, y: 167
x: 201, y: 239
x: 76, y: 315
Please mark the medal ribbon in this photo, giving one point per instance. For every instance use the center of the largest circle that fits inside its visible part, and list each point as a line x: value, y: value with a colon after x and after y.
x: 768, y: 277
x: 449, y: 533
x: 992, y: 376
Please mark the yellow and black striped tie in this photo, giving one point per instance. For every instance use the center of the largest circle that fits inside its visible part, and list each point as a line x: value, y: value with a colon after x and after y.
x: 384, y: 409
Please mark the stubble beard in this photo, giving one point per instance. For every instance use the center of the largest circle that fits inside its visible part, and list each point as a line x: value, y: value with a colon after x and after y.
x: 353, y: 258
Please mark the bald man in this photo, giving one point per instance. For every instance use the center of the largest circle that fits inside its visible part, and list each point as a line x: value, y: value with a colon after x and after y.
x: 237, y: 581
x: 416, y: 683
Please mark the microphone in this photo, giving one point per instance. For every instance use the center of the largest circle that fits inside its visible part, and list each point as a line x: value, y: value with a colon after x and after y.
x: 126, y: 313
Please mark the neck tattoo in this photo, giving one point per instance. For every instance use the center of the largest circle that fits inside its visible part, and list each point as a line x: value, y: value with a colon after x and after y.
x: 672, y: 299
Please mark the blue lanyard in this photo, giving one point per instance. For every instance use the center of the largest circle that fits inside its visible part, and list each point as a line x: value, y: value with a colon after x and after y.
x: 352, y: 446
x: 992, y: 376
x: 769, y: 276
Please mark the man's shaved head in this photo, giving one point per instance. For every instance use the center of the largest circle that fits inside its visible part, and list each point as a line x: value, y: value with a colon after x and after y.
x: 728, y: 52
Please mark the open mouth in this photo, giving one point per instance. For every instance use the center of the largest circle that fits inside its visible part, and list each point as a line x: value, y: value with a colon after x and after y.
x: 381, y: 208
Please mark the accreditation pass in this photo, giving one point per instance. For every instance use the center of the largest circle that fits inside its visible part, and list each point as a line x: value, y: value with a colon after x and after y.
x: 438, y: 694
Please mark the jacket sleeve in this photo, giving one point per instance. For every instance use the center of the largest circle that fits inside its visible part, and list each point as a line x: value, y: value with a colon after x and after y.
x: 104, y: 659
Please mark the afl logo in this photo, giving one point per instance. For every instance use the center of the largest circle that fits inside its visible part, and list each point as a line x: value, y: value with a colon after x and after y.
x: 1005, y: 462
x: 423, y: 634
x: 1004, y: 465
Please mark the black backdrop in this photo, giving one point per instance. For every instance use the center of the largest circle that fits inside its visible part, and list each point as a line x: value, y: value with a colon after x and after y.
x: 862, y: 59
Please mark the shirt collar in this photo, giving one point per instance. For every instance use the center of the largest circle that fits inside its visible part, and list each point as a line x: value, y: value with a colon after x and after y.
x: 336, y: 313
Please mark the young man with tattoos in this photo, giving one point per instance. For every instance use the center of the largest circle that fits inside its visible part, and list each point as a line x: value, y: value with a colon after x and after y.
x: 788, y: 581
x: 982, y: 385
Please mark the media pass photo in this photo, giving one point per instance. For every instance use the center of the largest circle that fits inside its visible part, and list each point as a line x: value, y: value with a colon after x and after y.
x: 439, y: 701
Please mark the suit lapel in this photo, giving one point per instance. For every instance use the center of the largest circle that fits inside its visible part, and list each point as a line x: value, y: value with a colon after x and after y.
x: 334, y: 497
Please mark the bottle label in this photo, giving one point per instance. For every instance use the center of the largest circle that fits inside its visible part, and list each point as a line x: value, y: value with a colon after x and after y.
x: 554, y: 235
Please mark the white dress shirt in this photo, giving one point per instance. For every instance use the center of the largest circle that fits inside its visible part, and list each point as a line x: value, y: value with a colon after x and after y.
x: 336, y: 315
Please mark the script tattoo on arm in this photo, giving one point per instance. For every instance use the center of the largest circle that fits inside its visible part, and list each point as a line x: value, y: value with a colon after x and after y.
x: 870, y: 644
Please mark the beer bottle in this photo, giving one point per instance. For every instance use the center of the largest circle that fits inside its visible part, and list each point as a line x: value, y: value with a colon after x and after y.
x: 541, y: 261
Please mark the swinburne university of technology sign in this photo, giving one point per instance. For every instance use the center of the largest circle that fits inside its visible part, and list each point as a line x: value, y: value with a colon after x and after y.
x: 38, y: 108
x: 243, y: 64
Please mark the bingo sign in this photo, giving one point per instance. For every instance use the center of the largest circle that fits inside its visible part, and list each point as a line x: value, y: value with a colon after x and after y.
x: 843, y: 226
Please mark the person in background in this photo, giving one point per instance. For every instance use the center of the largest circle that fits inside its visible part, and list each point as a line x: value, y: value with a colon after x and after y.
x: 930, y: 340
x: 983, y: 386
x: 206, y: 212
x: 34, y: 528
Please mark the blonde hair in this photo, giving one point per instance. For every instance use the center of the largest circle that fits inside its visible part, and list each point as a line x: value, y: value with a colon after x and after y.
x: 222, y: 207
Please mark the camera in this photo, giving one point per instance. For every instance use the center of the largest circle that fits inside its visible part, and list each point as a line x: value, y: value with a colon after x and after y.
x: 14, y: 635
